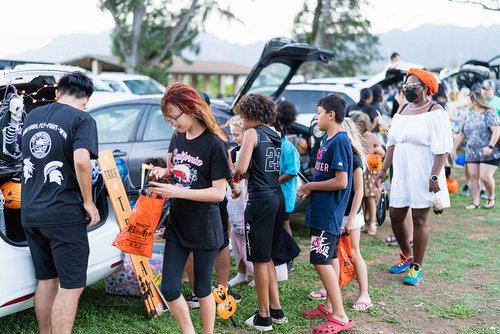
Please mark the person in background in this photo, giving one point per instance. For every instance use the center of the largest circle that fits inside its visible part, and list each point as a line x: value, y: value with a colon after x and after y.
x: 199, y: 160
x: 264, y: 215
x: 57, y: 200
x: 371, y: 190
x: 419, y: 141
x: 482, y: 130
x: 329, y: 195
x: 236, y: 211
x: 289, y: 162
x: 364, y: 106
x: 353, y: 216
x: 488, y: 91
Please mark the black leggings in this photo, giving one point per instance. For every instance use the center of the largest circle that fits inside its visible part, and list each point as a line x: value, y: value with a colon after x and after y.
x: 175, y: 258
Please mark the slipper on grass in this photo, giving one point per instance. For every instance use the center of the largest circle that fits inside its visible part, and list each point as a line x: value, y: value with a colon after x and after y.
x: 365, y: 304
x: 317, y: 295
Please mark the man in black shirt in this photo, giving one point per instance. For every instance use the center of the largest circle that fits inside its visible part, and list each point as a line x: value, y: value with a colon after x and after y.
x: 58, y: 141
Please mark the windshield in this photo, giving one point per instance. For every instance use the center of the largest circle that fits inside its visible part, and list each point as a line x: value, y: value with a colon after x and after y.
x: 270, y: 79
x: 143, y: 87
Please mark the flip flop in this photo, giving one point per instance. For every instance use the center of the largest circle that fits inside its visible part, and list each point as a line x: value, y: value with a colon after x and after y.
x: 317, y: 295
x: 367, y: 306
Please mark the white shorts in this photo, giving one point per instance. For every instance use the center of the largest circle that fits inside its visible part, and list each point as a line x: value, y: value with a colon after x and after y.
x: 359, y: 221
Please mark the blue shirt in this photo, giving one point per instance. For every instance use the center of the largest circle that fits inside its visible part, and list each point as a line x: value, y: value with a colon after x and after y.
x: 289, y: 164
x: 326, y: 208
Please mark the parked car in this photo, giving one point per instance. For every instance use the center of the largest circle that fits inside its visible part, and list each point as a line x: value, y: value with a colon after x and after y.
x: 139, y: 85
x: 135, y: 130
x: 17, y: 279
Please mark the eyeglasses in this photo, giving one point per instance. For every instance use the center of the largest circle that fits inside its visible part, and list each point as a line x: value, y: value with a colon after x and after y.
x: 171, y: 119
x: 411, y: 86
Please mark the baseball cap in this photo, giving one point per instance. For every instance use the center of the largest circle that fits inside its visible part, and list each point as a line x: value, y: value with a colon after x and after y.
x: 488, y: 84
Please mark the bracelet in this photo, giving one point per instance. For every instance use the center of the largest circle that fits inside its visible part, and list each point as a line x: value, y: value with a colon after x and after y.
x: 491, y: 146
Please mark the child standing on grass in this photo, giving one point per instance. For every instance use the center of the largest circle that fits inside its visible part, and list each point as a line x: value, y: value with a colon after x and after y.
x: 236, y: 209
x: 329, y: 190
x: 200, y: 169
x: 353, y: 217
x: 289, y: 163
x: 264, y: 214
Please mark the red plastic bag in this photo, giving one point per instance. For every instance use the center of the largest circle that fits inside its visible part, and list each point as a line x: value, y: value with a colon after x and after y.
x: 347, y: 272
x: 138, y: 236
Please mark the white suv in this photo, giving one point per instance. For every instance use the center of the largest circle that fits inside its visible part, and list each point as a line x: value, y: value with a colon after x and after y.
x: 139, y: 85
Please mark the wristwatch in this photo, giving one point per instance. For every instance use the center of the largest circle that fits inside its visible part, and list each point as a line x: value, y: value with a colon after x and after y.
x: 491, y: 146
x: 434, y: 178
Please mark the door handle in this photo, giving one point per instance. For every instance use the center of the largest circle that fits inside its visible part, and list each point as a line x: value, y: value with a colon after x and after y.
x: 119, y: 154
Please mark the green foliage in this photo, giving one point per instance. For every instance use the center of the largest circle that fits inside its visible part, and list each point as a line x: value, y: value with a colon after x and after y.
x: 339, y: 26
x: 148, y: 34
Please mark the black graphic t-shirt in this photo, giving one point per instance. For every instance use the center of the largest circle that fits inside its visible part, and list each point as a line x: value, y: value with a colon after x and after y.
x: 50, y: 193
x: 264, y: 168
x: 197, y: 162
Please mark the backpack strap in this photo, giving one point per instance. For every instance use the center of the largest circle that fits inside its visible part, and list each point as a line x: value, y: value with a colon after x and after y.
x: 432, y: 105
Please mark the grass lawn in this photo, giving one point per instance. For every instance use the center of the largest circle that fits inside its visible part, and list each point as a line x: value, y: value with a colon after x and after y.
x: 460, y: 292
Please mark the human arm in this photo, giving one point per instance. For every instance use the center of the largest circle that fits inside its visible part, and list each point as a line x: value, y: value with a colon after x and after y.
x: 215, y: 193
x: 459, y: 138
x: 248, y: 144
x: 382, y: 174
x: 235, y: 188
x: 495, y: 135
x: 338, y: 182
x: 83, y: 170
x: 285, y: 178
x: 357, y: 180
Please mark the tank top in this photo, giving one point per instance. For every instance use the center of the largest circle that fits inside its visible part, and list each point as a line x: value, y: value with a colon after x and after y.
x: 264, y: 169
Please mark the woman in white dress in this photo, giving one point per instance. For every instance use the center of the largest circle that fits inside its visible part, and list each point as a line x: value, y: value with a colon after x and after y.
x: 419, y: 141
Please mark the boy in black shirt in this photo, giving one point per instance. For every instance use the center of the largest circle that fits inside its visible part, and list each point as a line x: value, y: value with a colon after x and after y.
x: 265, y: 212
x: 58, y: 141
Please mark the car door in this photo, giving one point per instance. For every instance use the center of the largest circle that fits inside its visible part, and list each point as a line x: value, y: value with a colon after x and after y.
x: 278, y: 63
x: 117, y: 127
x: 152, y: 141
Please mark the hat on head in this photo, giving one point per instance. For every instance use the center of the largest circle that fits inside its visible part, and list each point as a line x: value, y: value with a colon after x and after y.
x: 488, y: 84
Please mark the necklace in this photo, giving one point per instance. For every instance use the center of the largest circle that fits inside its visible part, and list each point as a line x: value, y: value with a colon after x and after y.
x: 418, y: 108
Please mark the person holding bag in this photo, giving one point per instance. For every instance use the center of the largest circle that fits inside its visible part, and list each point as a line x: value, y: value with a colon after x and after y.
x: 200, y: 169
x: 419, y: 141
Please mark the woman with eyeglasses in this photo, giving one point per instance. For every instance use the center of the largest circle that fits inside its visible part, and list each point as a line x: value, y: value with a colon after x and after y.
x: 199, y: 164
x: 419, y: 141
x: 481, y: 128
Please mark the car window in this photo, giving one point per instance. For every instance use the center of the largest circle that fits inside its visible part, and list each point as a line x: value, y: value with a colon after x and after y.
x: 306, y: 101
x: 142, y: 87
x: 114, y: 85
x: 115, y: 124
x: 156, y: 127
x: 270, y: 79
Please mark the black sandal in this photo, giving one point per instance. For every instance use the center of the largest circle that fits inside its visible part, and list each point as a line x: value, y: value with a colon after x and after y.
x: 472, y: 206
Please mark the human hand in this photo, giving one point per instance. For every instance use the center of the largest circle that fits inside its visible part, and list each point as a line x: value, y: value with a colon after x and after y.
x: 159, y: 232
x: 453, y: 155
x: 304, y: 190
x: 92, y: 213
x: 434, y: 187
x: 382, y: 174
x: 487, y: 151
x: 158, y: 173
x: 348, y: 227
x: 235, y: 191
x: 166, y: 190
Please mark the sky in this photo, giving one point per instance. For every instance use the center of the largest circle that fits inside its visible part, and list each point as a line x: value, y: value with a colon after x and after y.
x: 39, y: 22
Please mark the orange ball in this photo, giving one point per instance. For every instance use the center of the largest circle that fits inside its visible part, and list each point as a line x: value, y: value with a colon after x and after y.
x: 452, y: 185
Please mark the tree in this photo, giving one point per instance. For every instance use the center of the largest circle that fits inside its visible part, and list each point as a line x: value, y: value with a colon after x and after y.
x: 339, y: 26
x: 486, y: 4
x: 149, y: 33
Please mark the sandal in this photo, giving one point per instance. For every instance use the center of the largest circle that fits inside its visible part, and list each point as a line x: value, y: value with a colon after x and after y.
x: 372, y: 229
x: 318, y: 312
x: 317, y: 295
x: 472, y: 206
x: 390, y: 239
x: 364, y: 306
x: 488, y: 202
x: 333, y: 326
